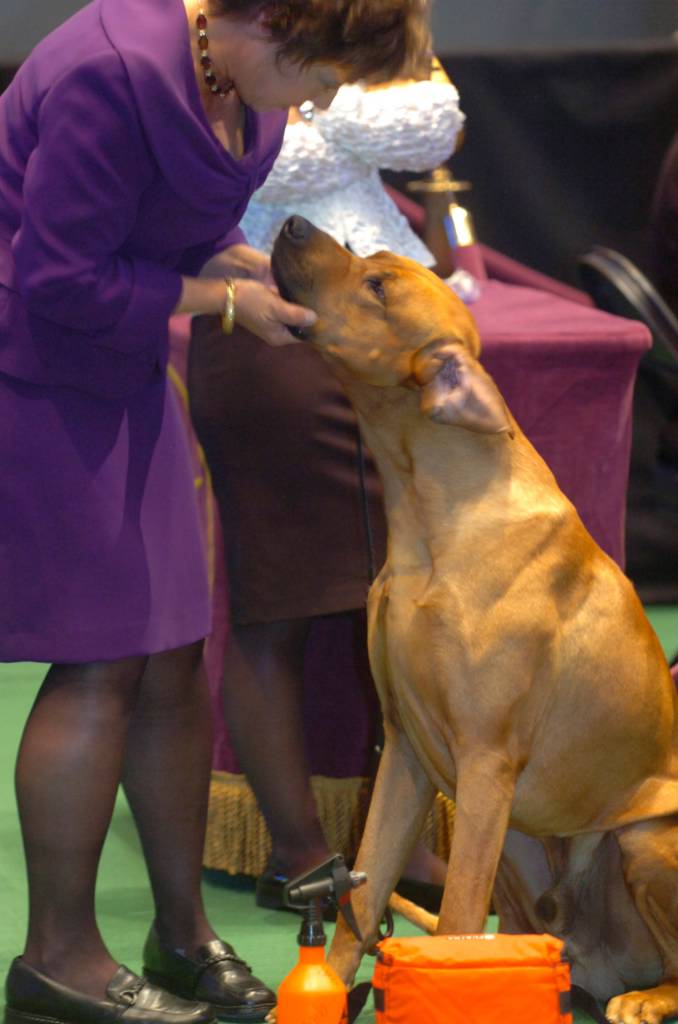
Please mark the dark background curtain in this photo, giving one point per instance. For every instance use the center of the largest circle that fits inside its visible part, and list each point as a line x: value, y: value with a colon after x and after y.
x: 480, y: 25
x: 564, y: 148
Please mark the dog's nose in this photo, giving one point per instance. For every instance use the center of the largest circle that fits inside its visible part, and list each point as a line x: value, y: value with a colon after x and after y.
x: 297, y: 229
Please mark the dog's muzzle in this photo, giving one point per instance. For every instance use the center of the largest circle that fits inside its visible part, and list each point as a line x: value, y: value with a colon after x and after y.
x: 295, y: 231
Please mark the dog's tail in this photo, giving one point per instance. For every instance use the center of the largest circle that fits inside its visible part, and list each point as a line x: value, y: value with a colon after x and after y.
x: 417, y: 916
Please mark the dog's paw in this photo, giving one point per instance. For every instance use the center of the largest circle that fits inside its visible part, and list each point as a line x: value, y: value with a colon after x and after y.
x: 649, y: 1007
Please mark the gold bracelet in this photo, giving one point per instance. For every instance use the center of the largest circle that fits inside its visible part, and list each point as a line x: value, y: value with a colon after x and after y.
x: 228, y: 312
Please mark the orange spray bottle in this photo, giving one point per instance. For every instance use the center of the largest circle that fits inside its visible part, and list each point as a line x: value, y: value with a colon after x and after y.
x: 313, y: 993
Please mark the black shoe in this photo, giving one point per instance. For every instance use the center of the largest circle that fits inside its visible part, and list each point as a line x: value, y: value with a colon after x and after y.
x: 215, y: 975
x: 33, y: 998
x: 268, y: 893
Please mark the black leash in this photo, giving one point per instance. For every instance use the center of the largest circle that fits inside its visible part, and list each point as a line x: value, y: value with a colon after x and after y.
x: 357, y: 998
x: 371, y: 576
x: 367, y: 519
x: 583, y: 1000
x: 358, y: 995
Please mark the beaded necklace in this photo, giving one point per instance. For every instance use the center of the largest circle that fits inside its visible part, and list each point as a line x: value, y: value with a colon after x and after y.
x: 208, y: 72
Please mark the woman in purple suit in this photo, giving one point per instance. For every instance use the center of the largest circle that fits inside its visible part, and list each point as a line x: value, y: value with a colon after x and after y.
x: 130, y: 143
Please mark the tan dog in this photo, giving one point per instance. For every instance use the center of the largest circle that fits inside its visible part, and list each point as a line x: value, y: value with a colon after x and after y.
x: 516, y: 670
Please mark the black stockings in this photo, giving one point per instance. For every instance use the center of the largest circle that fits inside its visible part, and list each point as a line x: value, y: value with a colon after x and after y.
x: 149, y: 720
x: 262, y: 698
x: 166, y: 775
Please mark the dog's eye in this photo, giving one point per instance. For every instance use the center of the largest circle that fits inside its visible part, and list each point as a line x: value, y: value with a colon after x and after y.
x: 376, y: 287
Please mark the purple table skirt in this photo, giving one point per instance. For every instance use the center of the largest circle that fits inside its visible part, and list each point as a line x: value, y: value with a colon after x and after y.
x: 567, y: 372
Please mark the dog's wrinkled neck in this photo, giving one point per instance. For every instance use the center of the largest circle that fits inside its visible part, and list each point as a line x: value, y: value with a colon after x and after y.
x: 431, y: 474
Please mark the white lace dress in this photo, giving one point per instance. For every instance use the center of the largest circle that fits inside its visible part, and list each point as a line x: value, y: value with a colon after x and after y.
x: 328, y: 168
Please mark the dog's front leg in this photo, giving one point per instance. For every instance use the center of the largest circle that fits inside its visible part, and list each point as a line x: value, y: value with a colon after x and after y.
x: 401, y: 799
x: 485, y: 787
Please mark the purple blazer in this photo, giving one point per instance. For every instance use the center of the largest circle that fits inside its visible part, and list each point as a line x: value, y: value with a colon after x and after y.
x: 112, y: 185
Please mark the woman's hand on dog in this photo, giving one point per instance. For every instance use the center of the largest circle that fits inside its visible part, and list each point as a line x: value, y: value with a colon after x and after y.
x: 258, y: 305
x: 260, y: 309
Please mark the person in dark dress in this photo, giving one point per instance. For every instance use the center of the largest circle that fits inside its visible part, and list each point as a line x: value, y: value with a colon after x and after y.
x: 299, y: 499
x: 130, y: 142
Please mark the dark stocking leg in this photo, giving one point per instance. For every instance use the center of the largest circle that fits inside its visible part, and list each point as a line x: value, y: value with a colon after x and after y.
x: 262, y: 699
x: 67, y: 775
x: 166, y: 780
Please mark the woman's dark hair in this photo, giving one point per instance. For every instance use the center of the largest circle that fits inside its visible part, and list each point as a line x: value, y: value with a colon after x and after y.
x: 375, y: 40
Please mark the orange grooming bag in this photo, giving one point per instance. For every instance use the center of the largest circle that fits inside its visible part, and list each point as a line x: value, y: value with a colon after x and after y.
x: 472, y: 979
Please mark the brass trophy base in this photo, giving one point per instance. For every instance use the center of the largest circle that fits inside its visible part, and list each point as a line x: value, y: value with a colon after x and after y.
x: 457, y: 219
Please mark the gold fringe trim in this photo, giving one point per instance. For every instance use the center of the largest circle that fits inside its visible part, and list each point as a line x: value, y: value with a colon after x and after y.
x: 238, y: 842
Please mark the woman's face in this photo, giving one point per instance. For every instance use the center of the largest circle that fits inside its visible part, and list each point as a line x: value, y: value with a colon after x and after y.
x: 266, y: 83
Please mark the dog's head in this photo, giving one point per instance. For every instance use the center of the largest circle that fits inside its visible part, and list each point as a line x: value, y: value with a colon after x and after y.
x: 388, y: 321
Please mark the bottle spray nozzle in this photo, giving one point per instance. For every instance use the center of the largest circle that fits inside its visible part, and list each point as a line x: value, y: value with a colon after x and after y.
x: 329, y: 882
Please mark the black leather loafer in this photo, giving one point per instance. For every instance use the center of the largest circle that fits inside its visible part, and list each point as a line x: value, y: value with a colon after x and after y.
x: 33, y: 998
x: 215, y: 975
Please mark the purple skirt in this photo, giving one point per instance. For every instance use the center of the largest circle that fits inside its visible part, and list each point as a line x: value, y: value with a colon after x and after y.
x: 101, y: 555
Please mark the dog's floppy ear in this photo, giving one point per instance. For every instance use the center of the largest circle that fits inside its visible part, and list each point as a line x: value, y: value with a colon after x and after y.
x: 455, y: 389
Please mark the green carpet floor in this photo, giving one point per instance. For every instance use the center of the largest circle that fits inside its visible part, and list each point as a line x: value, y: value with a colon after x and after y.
x: 267, y: 940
